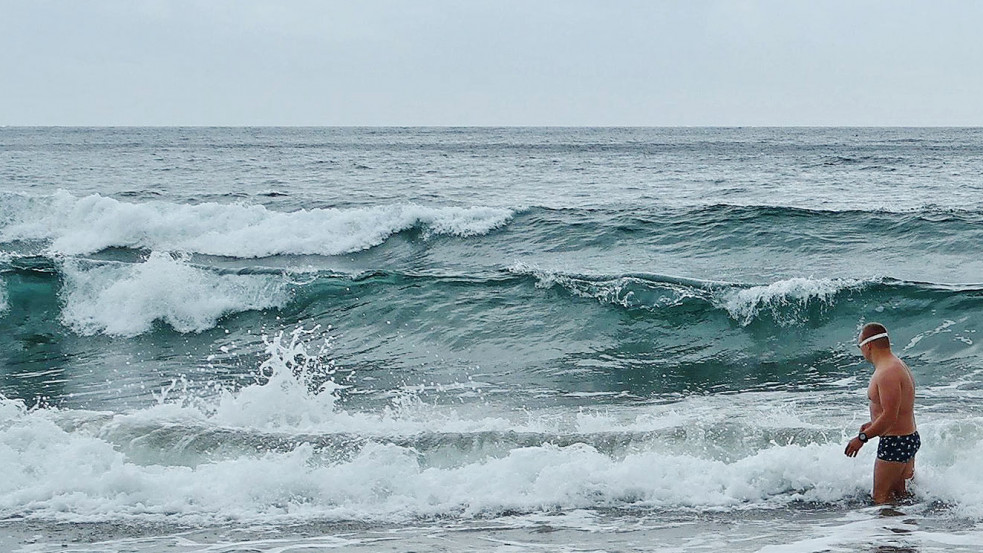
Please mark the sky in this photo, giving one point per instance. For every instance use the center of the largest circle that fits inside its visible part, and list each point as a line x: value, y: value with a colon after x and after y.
x: 491, y: 63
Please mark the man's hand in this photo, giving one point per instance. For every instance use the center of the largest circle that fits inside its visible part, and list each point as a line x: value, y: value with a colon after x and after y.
x: 853, y: 447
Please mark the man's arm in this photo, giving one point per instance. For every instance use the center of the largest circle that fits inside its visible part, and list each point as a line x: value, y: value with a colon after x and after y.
x: 888, y: 393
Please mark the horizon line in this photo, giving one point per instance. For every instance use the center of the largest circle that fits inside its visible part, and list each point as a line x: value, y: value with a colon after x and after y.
x: 247, y: 126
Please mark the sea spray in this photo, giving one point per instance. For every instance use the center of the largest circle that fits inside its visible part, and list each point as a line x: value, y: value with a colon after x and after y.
x: 299, y: 388
x: 295, y: 386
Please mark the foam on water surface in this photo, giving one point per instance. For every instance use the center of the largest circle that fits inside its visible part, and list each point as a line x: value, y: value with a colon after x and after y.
x: 70, y: 466
x: 59, y: 475
x: 123, y: 299
x: 81, y: 225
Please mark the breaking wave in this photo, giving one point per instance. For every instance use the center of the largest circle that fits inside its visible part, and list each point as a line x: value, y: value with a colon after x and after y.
x: 86, y: 466
x: 125, y: 299
x: 74, y: 226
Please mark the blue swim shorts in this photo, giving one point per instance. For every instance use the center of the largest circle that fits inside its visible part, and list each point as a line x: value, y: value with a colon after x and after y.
x: 898, y: 449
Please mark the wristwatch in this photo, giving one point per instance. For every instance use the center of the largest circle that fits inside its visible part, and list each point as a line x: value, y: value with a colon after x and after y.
x: 862, y: 437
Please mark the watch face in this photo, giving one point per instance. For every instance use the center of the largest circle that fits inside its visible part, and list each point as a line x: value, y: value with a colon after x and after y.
x: 863, y: 437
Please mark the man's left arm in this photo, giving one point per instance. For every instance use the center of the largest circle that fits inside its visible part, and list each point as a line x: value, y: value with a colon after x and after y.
x: 889, y: 398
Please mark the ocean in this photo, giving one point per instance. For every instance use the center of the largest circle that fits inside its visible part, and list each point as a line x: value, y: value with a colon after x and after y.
x: 482, y: 339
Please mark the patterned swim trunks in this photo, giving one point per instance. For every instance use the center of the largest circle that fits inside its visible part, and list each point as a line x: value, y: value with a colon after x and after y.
x: 898, y: 449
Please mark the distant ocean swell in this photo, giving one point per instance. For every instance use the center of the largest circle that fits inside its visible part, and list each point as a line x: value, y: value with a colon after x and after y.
x: 127, y: 298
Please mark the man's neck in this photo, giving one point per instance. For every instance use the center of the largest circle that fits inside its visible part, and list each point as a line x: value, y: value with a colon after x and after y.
x: 880, y: 356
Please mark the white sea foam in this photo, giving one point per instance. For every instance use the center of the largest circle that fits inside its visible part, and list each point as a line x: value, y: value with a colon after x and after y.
x: 90, y: 224
x: 784, y: 299
x: 54, y: 474
x: 124, y: 299
x: 57, y: 469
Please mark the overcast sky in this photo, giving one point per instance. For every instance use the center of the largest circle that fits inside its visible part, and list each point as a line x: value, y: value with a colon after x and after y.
x: 476, y: 62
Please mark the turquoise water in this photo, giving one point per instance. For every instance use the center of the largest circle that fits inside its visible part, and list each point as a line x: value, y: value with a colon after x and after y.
x: 605, y: 324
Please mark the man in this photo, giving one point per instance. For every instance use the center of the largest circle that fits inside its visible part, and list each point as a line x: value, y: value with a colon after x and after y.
x: 892, y: 416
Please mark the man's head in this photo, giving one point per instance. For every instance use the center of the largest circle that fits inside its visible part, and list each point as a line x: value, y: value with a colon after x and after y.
x: 873, y: 336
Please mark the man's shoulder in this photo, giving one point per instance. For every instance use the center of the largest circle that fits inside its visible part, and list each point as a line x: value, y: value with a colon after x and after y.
x: 898, y: 365
x: 893, y: 369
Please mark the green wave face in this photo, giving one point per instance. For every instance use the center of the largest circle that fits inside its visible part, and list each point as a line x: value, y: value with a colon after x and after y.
x: 644, y: 335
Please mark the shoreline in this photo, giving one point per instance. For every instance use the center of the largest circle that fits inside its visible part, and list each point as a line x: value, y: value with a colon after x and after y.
x: 786, y: 530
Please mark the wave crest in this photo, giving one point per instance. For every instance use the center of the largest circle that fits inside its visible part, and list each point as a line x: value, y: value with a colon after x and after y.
x: 76, y: 226
x: 123, y: 299
x: 786, y: 300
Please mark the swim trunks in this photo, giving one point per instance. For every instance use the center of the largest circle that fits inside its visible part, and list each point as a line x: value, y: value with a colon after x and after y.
x: 898, y: 449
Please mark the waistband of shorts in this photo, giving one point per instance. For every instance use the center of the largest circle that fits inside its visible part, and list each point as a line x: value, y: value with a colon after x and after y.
x: 915, y: 433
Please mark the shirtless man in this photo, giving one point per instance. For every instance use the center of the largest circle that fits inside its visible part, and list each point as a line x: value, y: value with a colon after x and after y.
x: 892, y: 416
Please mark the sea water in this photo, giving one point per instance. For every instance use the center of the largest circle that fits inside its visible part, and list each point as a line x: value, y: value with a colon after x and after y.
x: 266, y: 339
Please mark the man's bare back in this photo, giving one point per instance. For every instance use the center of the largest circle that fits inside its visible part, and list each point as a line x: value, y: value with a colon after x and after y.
x: 892, y: 416
x: 893, y: 377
